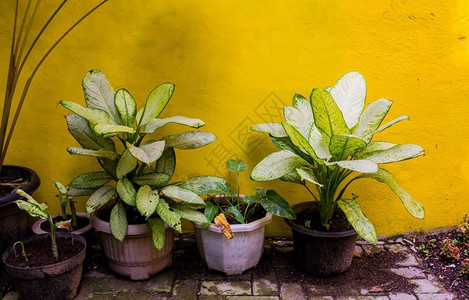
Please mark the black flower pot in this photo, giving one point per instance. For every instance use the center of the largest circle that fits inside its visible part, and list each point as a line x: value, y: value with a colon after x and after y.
x: 14, y: 222
x: 321, y: 253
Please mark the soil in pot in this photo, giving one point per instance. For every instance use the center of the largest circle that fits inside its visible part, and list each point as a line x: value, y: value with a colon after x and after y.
x: 8, y: 184
x: 258, y: 213
x: 39, y: 252
x: 82, y: 223
x: 309, y: 218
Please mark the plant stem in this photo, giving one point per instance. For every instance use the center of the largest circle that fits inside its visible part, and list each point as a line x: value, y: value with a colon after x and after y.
x: 73, y: 211
x: 52, y: 235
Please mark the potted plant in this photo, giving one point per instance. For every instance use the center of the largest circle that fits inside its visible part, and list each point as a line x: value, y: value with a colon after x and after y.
x: 13, y: 221
x: 322, y: 143
x: 234, y: 242
x: 80, y: 222
x: 137, y: 214
x: 51, y: 264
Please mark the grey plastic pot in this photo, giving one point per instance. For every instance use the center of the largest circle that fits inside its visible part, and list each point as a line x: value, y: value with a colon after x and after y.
x: 14, y: 222
x: 57, y: 281
x: 82, y: 231
x: 318, y: 252
x: 236, y: 255
x: 136, y: 257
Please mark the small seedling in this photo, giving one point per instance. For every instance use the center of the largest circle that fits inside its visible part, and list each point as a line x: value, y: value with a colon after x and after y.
x: 308, y: 224
x: 449, y: 250
x: 422, y: 249
x: 23, y: 253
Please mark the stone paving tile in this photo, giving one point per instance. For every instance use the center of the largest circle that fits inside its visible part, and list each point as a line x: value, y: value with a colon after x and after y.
x: 363, y: 298
x: 435, y: 297
x: 320, y: 298
x: 161, y: 282
x: 408, y: 261
x: 397, y: 248
x: 425, y: 286
x: 402, y: 296
x: 372, y: 249
x: 111, y: 285
x: 409, y: 272
x: 252, y: 298
x: 234, y: 288
x: 264, y: 287
x: 292, y: 291
x: 185, y: 289
x: 212, y: 297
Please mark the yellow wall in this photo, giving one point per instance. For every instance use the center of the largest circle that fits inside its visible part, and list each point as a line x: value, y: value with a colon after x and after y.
x: 232, y: 59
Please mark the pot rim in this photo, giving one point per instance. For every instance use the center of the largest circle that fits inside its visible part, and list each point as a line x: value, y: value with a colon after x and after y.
x: 30, y: 188
x: 38, y: 230
x: 34, y: 237
x: 238, y: 227
x: 132, y: 229
x: 299, y: 207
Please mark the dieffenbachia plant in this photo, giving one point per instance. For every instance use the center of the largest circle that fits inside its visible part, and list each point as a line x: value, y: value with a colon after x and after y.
x: 142, y: 170
x: 325, y: 140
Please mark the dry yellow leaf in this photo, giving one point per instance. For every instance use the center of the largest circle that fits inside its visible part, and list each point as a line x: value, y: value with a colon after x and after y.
x: 223, y: 224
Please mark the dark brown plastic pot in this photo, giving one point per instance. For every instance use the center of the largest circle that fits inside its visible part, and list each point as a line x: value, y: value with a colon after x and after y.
x: 14, y: 223
x: 57, y: 281
x: 318, y: 252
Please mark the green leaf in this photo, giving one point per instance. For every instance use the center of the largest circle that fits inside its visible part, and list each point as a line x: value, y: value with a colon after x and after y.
x: 389, y: 124
x: 60, y: 188
x: 167, y: 162
x: 148, y: 152
x: 109, y: 165
x: 127, y: 163
x: 276, y: 165
x: 95, y: 153
x: 342, y: 146
x: 147, y: 200
x: 371, y: 118
x: 99, y: 198
x: 211, y: 210
x: 236, y: 165
x: 327, y: 115
x: 99, y: 93
x: 233, y: 211
x: 304, y: 120
x: 286, y: 144
x: 91, y: 180
x: 292, y: 177
x: 156, y: 102
x: 203, y: 185
x: 74, y: 192
x: 358, y: 220
x: 106, y: 130
x: 308, y: 175
x: 154, y: 179
x: 154, y: 124
x: 374, y: 147
x: 81, y: 131
x: 276, y: 205
x: 170, y: 217
x: 413, y: 207
x: 174, y: 191
x: 145, y: 169
x: 126, y: 106
x: 93, y: 115
x: 395, y: 154
x: 158, y: 232
x: 118, y: 222
x: 30, y: 199
x: 188, y: 214
x: 301, y: 142
x: 32, y: 209
x: 349, y: 93
x: 359, y: 165
x: 273, y: 129
x: 126, y: 191
x: 190, y: 139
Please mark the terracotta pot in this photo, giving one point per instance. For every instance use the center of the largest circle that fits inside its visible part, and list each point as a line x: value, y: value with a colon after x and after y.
x: 136, y: 257
x: 319, y: 252
x: 236, y: 255
x: 57, y: 281
x: 14, y: 224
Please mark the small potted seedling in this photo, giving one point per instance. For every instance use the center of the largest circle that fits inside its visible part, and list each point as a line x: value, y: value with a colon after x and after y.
x: 80, y: 222
x: 233, y: 240
x: 51, y: 264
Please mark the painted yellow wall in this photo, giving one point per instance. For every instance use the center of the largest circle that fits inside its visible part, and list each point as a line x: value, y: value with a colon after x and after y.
x: 236, y: 63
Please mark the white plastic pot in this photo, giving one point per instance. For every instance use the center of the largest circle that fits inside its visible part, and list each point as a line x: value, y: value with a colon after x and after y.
x: 236, y: 255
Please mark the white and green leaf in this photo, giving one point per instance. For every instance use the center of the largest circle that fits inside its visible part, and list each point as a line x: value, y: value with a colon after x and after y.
x: 148, y: 152
x: 341, y: 146
x: 81, y: 131
x: 153, y: 179
x: 395, y: 154
x: 169, y: 217
x: 189, y: 214
x: 203, y: 185
x: 95, y: 153
x: 190, y: 139
x: 147, y: 200
x: 308, y: 175
x: 359, y: 165
x: 274, y: 129
x: 126, y: 191
x: 371, y: 118
x: 118, y: 222
x: 99, y: 198
x: 177, y: 192
x: 126, y: 106
x: 390, y: 123
x: 158, y: 232
x: 301, y: 142
x: 357, y: 219
x: 91, y: 180
x: 155, y: 103
x: 154, y: 124
x: 106, y: 130
x: 167, y: 162
x: 236, y: 165
x: 276, y: 205
x: 276, y: 165
x: 127, y: 163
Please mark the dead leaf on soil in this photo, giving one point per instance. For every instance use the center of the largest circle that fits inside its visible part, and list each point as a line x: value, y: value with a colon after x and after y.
x: 223, y: 224
x: 380, y: 288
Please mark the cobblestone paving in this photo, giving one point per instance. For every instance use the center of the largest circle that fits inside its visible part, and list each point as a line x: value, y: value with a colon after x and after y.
x: 274, y: 278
